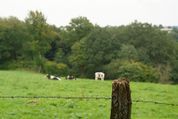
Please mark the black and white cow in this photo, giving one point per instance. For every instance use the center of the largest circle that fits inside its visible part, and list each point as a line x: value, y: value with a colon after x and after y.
x: 99, y: 75
x: 70, y: 77
x: 52, y: 77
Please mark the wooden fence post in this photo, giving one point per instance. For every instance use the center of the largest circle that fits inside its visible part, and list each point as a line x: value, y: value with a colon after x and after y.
x: 121, y: 99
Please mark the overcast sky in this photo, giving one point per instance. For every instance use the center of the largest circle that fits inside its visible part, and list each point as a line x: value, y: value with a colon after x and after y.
x: 101, y: 12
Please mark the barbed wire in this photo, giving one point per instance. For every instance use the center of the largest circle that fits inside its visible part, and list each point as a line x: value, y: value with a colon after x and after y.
x: 155, y: 102
x: 58, y: 97
x: 83, y: 97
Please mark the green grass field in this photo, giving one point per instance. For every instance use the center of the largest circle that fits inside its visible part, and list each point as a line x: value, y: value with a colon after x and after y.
x: 22, y: 83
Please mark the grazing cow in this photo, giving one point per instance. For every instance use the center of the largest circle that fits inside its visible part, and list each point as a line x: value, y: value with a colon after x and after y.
x: 70, y: 77
x: 99, y: 75
x: 52, y: 77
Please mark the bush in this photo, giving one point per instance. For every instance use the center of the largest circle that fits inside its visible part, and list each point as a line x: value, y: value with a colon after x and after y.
x: 135, y: 71
x: 12, y: 65
x: 56, y: 68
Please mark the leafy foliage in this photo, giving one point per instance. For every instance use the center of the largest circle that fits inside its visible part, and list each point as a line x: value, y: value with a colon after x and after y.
x: 83, y: 48
x: 55, y: 68
x: 138, y: 72
x: 135, y: 71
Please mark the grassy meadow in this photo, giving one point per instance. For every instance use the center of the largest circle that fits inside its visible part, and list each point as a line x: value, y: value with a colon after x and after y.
x: 23, y: 83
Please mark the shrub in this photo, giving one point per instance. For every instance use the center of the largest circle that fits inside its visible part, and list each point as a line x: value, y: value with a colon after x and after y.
x: 55, y: 68
x: 11, y: 65
x: 135, y: 71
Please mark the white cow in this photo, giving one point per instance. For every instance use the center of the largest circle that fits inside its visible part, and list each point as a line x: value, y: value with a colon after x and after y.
x: 99, y: 75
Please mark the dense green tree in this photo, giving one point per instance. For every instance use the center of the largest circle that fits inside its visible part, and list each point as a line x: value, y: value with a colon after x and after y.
x: 55, y: 43
x: 77, y: 29
x: 94, y: 51
x: 41, y: 37
x: 13, y: 35
x: 151, y: 41
x: 39, y: 31
x: 128, y: 52
x: 154, y: 47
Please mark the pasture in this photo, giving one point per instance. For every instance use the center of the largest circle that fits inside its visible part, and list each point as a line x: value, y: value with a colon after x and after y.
x: 23, y: 83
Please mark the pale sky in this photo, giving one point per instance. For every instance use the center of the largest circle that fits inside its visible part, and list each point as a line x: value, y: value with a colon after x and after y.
x: 101, y: 12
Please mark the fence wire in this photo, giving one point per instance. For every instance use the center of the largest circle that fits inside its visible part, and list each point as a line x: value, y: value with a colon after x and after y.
x: 84, y: 97
x: 57, y: 97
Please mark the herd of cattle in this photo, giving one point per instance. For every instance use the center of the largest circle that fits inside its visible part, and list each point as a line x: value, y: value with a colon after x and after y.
x: 98, y: 76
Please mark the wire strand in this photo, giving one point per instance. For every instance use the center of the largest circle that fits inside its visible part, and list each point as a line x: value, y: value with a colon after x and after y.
x: 83, y: 97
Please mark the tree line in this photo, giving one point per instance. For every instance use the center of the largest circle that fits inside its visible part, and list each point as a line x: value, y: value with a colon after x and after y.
x: 139, y: 51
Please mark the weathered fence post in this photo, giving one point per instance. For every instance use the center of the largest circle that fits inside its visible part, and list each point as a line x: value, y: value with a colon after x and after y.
x: 121, y: 99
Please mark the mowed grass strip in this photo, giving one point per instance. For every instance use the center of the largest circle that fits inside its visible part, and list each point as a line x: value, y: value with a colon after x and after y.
x: 23, y: 83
